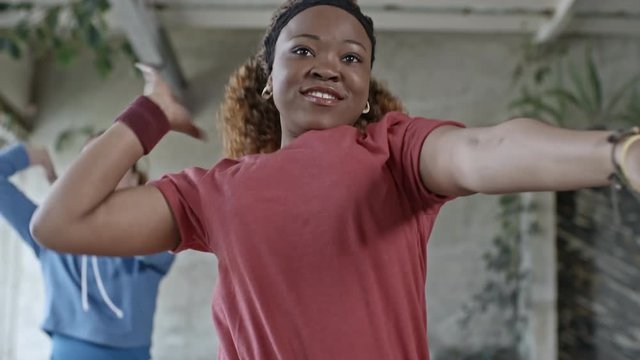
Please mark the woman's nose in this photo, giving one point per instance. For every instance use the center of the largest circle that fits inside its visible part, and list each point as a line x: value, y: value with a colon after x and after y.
x: 326, y: 71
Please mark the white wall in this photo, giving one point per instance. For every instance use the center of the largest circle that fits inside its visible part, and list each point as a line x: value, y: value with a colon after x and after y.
x: 466, y: 78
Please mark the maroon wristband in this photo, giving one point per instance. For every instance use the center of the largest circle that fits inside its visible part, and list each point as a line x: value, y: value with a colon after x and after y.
x: 146, y: 120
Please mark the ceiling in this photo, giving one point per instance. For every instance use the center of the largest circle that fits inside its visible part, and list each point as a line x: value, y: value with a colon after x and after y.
x: 491, y: 16
x: 542, y: 20
x: 621, y: 17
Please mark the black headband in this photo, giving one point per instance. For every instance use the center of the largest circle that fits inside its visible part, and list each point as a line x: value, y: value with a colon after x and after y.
x: 283, y: 19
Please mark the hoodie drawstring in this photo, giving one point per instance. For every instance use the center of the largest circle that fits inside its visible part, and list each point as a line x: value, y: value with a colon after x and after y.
x: 83, y: 284
x: 103, y: 292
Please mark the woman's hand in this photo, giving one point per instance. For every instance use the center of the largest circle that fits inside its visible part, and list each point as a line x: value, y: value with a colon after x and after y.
x: 40, y: 156
x: 159, y: 91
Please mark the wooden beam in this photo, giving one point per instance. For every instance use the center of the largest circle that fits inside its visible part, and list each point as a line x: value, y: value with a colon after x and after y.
x: 560, y: 20
x: 149, y: 40
x: 609, y: 6
x: 537, y: 5
x: 545, y: 19
x: 617, y: 27
x: 385, y: 20
x: 18, y: 126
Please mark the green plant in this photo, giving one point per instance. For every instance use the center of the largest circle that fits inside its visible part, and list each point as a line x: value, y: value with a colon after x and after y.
x: 569, y: 94
x: 70, y: 135
x: 575, y: 95
x: 503, y: 290
x: 62, y: 30
x: 631, y: 113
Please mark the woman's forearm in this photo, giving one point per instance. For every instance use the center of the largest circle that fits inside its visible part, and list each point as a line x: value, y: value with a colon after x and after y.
x: 514, y: 156
x: 86, y: 185
x: 528, y: 155
x: 85, y: 214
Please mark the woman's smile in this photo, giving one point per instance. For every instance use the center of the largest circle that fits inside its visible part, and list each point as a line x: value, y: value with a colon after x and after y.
x: 323, y: 95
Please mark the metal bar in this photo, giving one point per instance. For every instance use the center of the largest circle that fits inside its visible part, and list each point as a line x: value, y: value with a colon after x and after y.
x: 558, y: 23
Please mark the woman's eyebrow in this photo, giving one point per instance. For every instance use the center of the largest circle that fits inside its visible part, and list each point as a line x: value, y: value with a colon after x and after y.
x: 357, y: 43
x: 316, y: 37
x: 308, y: 36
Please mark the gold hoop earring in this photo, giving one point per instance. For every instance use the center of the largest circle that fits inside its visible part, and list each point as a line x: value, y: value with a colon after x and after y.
x: 367, y: 108
x: 267, y: 92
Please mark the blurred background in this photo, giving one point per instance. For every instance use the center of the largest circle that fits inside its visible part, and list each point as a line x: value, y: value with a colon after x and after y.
x: 530, y: 276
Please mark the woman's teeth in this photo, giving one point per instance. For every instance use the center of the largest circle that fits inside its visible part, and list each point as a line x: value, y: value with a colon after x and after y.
x: 322, y: 95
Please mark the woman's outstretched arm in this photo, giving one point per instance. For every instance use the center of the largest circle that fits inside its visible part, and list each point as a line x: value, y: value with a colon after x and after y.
x: 84, y: 213
x: 519, y: 155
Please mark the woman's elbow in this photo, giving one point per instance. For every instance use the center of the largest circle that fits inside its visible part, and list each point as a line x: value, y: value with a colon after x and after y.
x: 47, y: 230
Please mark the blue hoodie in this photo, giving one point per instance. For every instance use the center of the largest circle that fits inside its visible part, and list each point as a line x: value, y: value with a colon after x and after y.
x: 108, y: 301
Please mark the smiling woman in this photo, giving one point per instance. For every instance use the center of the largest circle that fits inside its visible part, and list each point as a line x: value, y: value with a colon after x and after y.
x: 320, y: 220
x: 320, y: 71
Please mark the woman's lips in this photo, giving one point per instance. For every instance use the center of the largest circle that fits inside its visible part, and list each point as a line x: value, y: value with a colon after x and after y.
x: 322, y: 96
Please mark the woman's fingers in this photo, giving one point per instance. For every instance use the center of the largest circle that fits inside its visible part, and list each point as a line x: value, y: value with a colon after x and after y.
x: 52, y: 176
x: 194, y: 131
x: 150, y: 76
x: 159, y: 91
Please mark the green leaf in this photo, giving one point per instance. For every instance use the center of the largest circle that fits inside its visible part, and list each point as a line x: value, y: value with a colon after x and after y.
x: 621, y: 93
x: 541, y: 74
x: 539, y: 105
x: 65, y: 53
x: 11, y: 6
x: 51, y: 18
x: 79, y: 11
x: 127, y: 49
x: 93, y: 37
x: 4, y: 45
x: 41, y: 34
x: 507, y: 200
x: 517, y: 73
x: 103, y: 5
x: 22, y: 30
x: 584, y: 102
x: 67, y: 136
x: 104, y: 64
x: 562, y: 95
x: 596, y: 83
x: 96, y: 6
x: 629, y: 119
x: 631, y: 115
x: 14, y: 49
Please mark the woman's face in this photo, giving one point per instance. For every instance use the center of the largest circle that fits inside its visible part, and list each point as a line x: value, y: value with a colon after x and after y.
x: 321, y: 71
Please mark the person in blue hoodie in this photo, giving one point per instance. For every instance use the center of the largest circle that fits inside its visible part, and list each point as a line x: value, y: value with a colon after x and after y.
x: 96, y: 307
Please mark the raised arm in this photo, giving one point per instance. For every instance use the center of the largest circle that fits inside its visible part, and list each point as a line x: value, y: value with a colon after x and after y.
x: 15, y: 207
x: 84, y: 213
x: 518, y: 155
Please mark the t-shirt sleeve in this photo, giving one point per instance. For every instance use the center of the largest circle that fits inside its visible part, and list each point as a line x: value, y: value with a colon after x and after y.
x: 15, y: 207
x: 182, y: 193
x: 405, y: 138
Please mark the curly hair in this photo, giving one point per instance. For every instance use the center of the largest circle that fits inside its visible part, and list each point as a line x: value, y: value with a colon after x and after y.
x: 251, y: 125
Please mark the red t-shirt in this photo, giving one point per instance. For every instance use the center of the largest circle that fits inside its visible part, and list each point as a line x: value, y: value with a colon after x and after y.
x: 321, y: 245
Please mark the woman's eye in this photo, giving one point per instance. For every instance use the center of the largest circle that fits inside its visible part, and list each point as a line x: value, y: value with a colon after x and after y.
x: 351, y: 58
x: 302, y: 51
